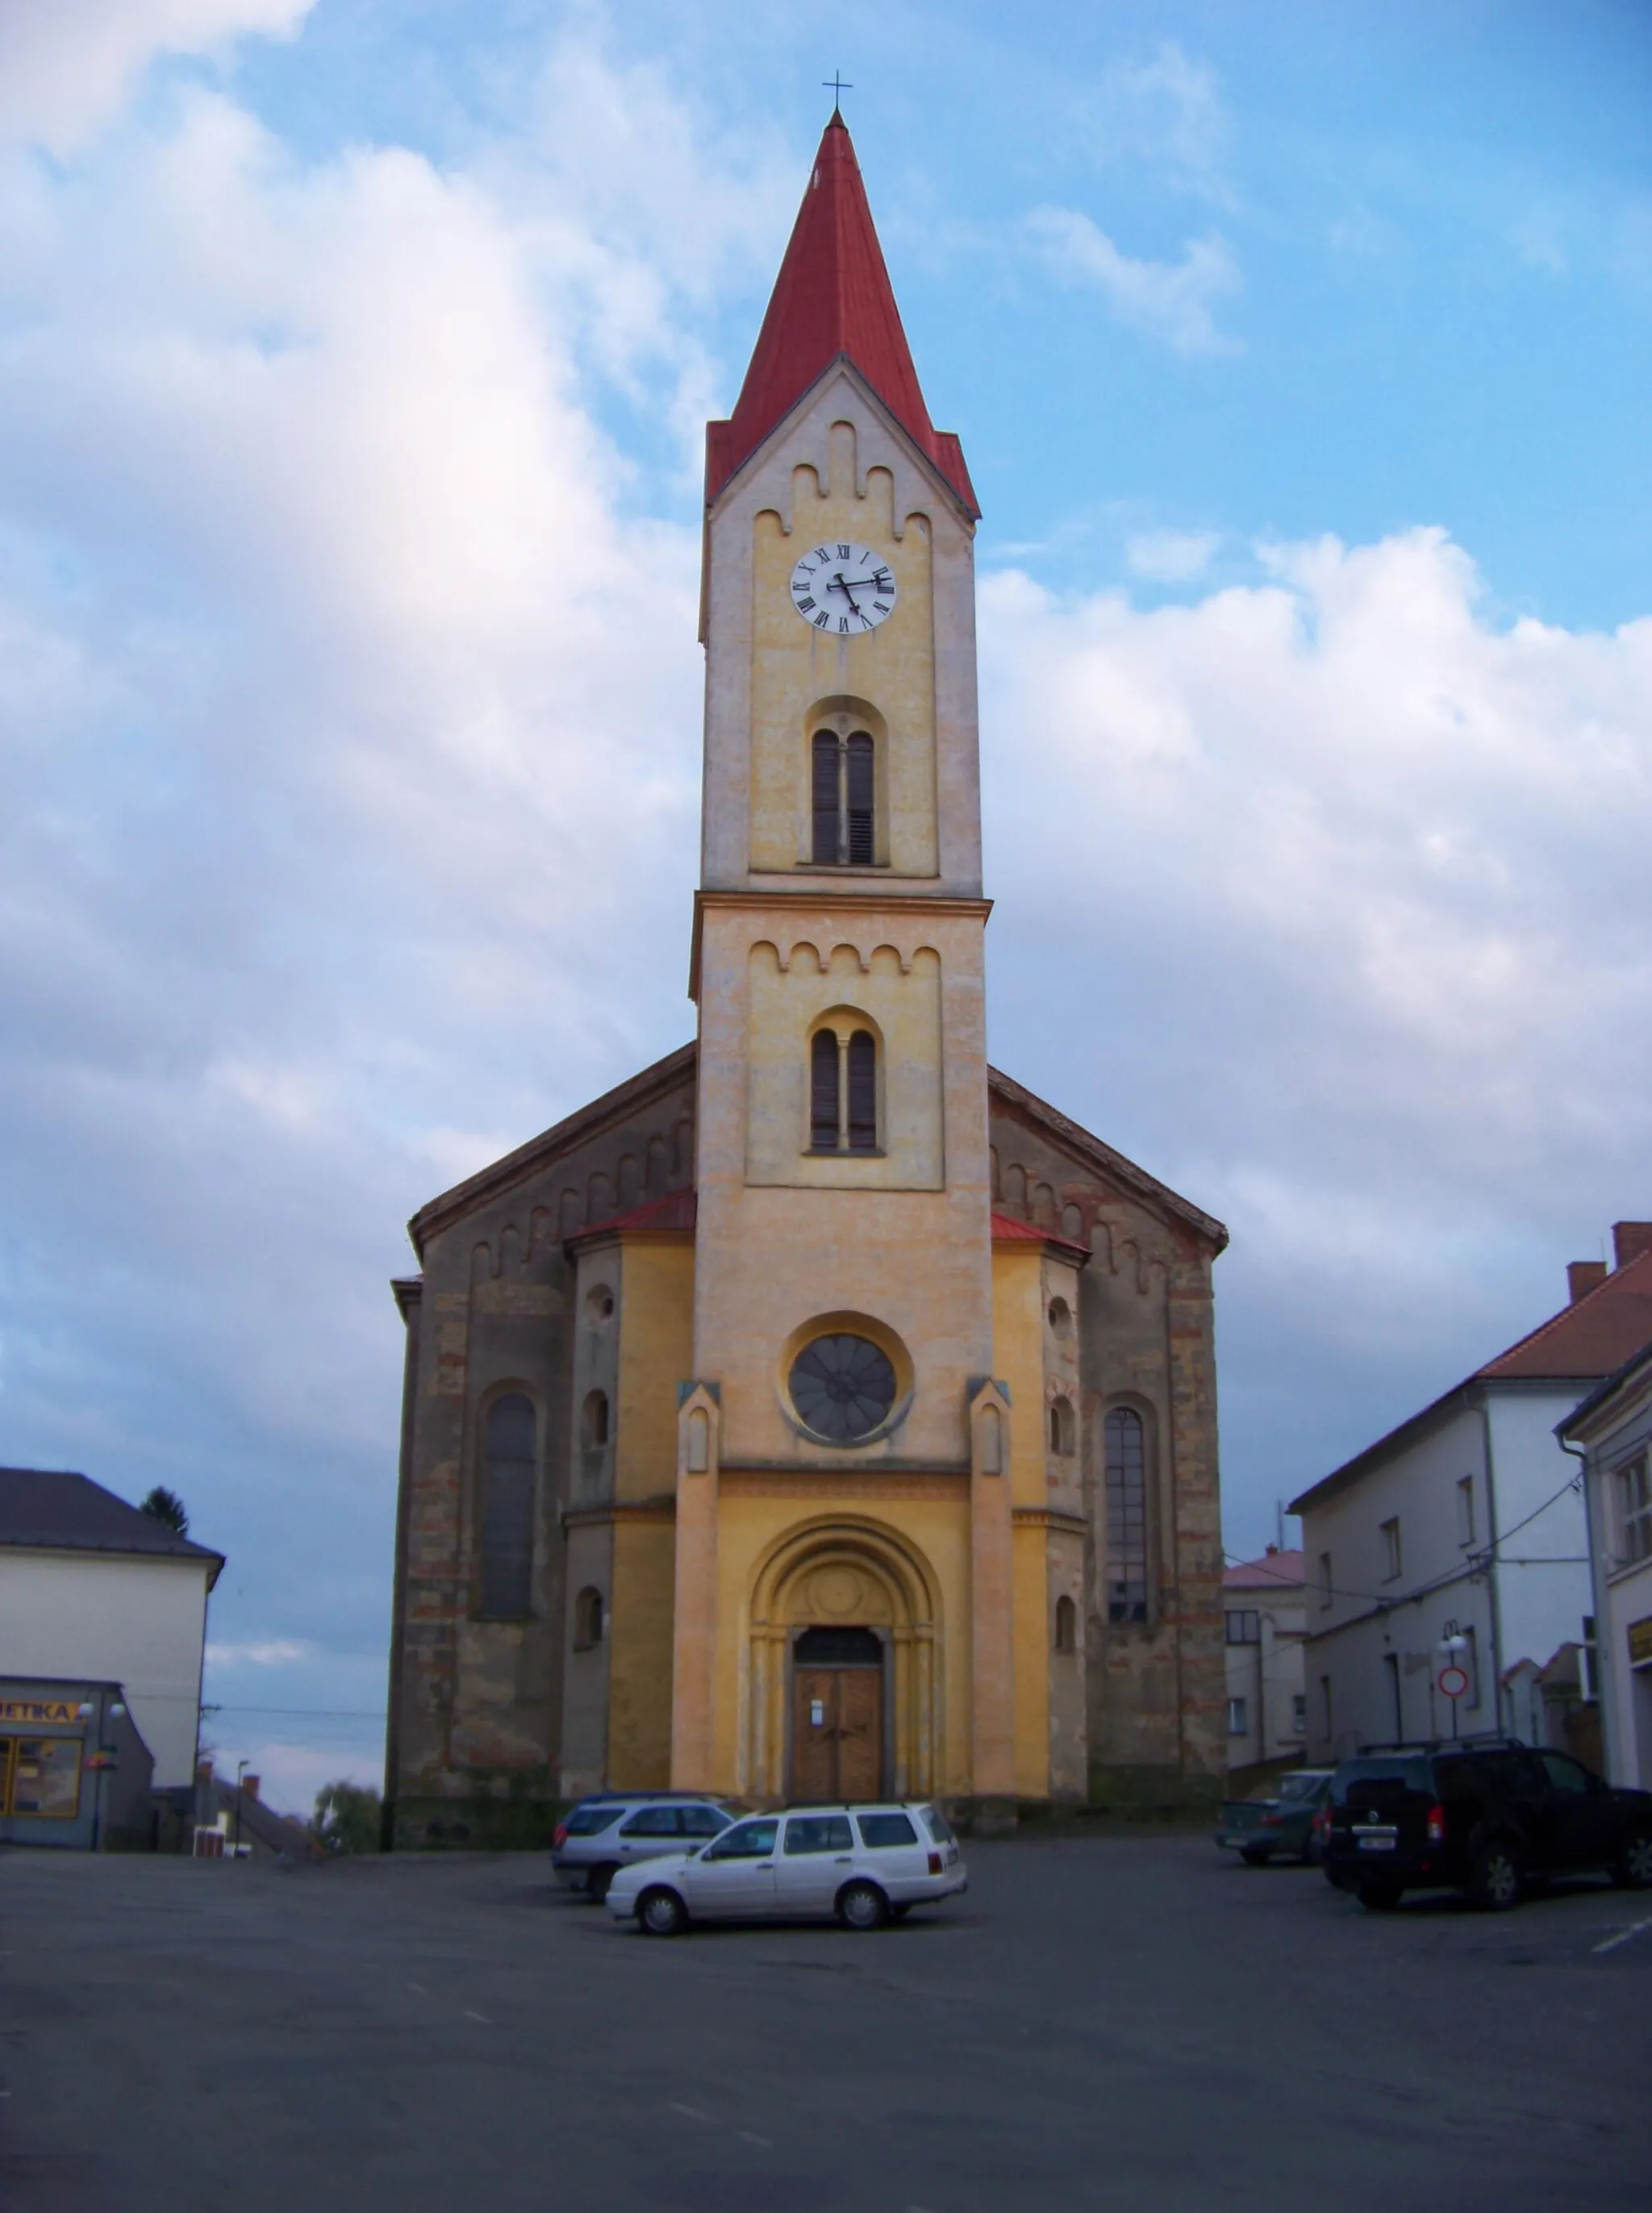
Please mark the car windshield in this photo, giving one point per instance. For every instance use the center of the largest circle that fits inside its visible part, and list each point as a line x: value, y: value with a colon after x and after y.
x: 1298, y: 1786
x: 937, y: 1824
x: 591, y: 1820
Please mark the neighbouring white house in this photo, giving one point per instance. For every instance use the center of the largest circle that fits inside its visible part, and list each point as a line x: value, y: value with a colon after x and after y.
x: 1264, y: 1619
x: 1460, y: 1540
x: 93, y: 1590
x: 1614, y: 1427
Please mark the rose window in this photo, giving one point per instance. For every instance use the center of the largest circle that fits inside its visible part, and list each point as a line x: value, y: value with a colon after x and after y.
x: 843, y: 1387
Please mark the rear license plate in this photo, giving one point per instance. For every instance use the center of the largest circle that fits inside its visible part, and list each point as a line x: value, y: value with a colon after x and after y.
x: 1376, y: 1843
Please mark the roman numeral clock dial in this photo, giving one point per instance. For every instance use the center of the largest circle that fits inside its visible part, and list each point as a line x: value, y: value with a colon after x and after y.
x: 843, y: 589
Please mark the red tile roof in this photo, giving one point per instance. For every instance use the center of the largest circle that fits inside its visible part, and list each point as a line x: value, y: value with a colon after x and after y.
x: 1269, y: 1573
x: 1006, y: 1228
x: 676, y: 1210
x: 831, y: 298
x: 1592, y: 1338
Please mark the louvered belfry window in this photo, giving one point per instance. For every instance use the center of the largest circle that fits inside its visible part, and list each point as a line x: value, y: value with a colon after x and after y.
x: 823, y: 1092
x: 845, y: 799
x: 508, y: 1486
x: 862, y: 1093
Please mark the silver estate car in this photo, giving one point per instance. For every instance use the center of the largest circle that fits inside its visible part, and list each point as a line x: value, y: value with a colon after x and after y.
x: 616, y: 1829
x: 862, y: 1865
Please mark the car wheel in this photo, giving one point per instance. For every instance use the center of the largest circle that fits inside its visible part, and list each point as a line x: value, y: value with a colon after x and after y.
x: 1632, y: 1868
x: 1255, y: 1856
x: 861, y: 1905
x: 1380, y: 1897
x: 661, y: 1913
x: 1495, y: 1881
x: 596, y: 1883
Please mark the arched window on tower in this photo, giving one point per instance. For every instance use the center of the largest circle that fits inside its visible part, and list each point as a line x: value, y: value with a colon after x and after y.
x: 1066, y: 1625
x: 843, y: 776
x: 508, y: 1487
x: 823, y: 1092
x: 863, y: 1092
x: 843, y: 1091
x: 1126, y: 1480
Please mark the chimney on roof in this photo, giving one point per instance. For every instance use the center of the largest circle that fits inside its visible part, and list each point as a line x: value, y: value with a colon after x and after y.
x: 249, y: 1785
x: 1628, y: 1241
x: 1582, y: 1276
x: 203, y: 1770
x: 1272, y: 1549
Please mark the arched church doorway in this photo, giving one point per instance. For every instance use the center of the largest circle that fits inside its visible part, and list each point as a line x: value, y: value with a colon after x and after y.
x: 838, y: 1703
x: 847, y: 1600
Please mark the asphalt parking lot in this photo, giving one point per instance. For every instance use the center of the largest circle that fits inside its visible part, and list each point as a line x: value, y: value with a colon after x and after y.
x: 1117, y: 2023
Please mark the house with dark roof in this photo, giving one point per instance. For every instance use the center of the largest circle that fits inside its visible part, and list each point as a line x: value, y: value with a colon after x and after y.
x: 1452, y: 1556
x: 92, y: 1590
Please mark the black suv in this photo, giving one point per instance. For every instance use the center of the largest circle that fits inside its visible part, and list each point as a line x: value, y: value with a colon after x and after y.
x: 1490, y: 1817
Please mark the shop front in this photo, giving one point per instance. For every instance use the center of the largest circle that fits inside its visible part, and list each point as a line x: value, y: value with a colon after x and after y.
x: 74, y: 1771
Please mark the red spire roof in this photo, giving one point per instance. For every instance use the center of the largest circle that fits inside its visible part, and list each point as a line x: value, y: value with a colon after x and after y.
x: 831, y: 297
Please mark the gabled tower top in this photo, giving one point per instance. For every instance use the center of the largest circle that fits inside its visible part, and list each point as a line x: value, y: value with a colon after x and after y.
x: 832, y: 298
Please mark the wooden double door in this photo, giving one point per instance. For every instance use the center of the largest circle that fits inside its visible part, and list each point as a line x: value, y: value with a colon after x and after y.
x: 837, y: 1731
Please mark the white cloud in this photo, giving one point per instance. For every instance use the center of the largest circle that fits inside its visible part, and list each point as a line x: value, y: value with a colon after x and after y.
x: 1353, y: 881
x: 66, y: 66
x: 1171, y: 557
x: 271, y: 1652
x: 1174, y: 300
x: 1167, y: 111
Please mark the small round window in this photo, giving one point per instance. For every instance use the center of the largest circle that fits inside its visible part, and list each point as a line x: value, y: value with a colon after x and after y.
x: 843, y: 1387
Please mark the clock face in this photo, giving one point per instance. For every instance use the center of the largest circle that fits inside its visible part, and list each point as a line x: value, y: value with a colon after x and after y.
x: 843, y: 589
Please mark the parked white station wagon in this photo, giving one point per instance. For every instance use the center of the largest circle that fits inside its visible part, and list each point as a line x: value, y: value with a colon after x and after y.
x: 862, y: 1865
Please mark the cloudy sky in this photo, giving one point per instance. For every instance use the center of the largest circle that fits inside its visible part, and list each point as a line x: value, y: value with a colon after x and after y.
x: 353, y: 362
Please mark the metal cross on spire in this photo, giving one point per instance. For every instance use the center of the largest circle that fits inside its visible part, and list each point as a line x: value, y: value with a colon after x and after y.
x: 836, y: 85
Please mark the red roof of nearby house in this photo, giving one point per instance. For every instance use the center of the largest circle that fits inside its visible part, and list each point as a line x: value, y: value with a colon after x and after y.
x: 1272, y: 1570
x: 1594, y: 1336
x: 831, y: 299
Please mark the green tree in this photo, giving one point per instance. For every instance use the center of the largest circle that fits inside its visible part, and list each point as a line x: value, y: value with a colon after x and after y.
x: 164, y: 1505
x: 346, y: 1818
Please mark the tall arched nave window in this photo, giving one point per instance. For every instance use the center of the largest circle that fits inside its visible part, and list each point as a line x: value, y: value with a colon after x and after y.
x: 1125, y: 1444
x: 510, y: 1457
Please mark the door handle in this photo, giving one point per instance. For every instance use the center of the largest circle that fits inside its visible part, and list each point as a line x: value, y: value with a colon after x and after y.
x: 848, y: 1860
x: 765, y: 1867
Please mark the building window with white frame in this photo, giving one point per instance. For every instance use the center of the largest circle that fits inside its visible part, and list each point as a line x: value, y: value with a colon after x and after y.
x: 1325, y: 1582
x: 1392, y: 1557
x: 1635, y: 1510
x: 1469, y: 1661
x: 1299, y: 1714
x: 1466, y: 1509
x: 1238, y: 1718
x: 1244, y: 1626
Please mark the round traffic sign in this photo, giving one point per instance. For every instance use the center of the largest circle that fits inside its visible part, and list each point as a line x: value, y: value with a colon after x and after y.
x: 1453, y: 1681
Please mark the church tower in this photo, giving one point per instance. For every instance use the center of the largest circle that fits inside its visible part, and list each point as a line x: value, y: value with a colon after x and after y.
x: 818, y: 1414
x: 843, y: 1292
